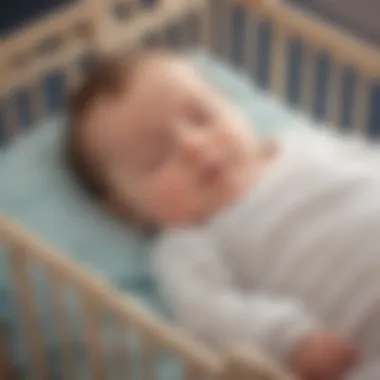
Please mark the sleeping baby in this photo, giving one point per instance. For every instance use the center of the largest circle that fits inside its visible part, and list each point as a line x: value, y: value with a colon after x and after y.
x: 272, y: 243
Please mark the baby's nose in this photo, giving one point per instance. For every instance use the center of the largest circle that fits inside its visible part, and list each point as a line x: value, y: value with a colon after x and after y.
x: 194, y: 146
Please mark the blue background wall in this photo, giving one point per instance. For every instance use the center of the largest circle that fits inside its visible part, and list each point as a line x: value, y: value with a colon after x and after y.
x: 14, y: 13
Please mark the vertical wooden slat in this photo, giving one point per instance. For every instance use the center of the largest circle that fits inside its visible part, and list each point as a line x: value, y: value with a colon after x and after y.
x: 250, y: 47
x: 11, y: 118
x: 93, y: 336
x: 6, y: 371
x: 278, y: 62
x: 99, y: 11
x: 71, y: 74
x: 148, y: 358
x: 334, y: 95
x: 247, y: 365
x: 61, y: 325
x: 308, y: 79
x: 226, y: 32
x: 205, y: 32
x: 361, y: 104
x: 28, y: 313
x: 36, y: 99
x: 122, y: 355
x: 220, y: 28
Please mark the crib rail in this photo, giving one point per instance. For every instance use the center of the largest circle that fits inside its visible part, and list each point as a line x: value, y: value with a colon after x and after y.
x: 52, y: 45
x: 344, y: 48
x: 32, y: 51
x: 344, y: 51
x: 97, y: 296
x: 40, y: 62
x: 167, y: 24
x: 308, y: 64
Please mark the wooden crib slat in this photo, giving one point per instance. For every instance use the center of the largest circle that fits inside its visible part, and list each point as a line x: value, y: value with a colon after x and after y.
x: 206, y: 27
x: 28, y: 313
x: 148, y: 358
x: 308, y: 82
x: 226, y: 32
x: 361, y: 104
x: 9, y: 112
x: 92, y: 336
x: 71, y: 73
x: 6, y: 370
x: 123, y: 306
x: 250, y: 47
x: 334, y: 95
x: 228, y: 29
x: 250, y: 364
x: 38, y: 68
x: 61, y: 324
x: 36, y: 97
x: 122, y: 354
x: 278, y: 65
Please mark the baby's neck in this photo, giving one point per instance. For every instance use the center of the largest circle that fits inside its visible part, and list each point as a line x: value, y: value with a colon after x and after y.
x: 264, y: 152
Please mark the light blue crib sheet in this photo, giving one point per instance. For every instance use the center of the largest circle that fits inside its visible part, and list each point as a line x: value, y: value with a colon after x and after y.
x: 35, y: 189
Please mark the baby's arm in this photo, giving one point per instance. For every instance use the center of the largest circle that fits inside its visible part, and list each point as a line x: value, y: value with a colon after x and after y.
x: 205, y: 301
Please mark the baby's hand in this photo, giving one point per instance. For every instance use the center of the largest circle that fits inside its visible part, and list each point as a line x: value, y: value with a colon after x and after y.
x: 322, y: 355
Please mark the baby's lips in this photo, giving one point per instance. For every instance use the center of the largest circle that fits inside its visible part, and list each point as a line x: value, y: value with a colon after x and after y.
x: 212, y: 171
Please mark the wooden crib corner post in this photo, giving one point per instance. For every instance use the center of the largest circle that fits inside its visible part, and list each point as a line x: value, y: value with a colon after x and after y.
x: 99, y: 22
x: 6, y: 371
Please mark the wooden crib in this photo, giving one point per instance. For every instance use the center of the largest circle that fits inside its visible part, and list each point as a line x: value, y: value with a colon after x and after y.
x: 281, y: 48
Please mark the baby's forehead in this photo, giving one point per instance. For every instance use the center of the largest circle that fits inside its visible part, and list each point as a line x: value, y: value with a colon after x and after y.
x: 163, y: 86
x: 170, y: 73
x: 158, y: 88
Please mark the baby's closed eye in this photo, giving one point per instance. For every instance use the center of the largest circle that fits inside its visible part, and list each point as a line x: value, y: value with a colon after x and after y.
x: 200, y: 114
x: 154, y: 156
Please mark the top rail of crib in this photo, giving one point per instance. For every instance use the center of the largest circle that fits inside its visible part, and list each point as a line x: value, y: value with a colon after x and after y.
x: 87, y: 26
x: 343, y: 47
x: 65, y: 41
x: 57, y: 39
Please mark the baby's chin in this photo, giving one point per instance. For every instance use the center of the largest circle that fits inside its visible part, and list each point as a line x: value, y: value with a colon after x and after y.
x: 210, y: 198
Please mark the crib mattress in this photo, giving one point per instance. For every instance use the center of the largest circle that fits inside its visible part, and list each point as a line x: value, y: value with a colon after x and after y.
x: 36, y: 190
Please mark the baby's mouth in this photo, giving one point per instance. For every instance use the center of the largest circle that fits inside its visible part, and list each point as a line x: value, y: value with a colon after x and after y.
x: 212, y: 172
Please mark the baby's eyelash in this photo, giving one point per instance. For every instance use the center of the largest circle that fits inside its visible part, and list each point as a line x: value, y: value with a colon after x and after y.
x: 201, y: 115
x: 156, y: 156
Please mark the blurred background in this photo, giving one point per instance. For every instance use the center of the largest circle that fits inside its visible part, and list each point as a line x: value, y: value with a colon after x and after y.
x: 358, y: 16
x: 15, y: 13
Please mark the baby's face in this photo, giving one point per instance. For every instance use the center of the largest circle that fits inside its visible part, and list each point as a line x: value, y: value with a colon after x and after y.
x: 172, y: 147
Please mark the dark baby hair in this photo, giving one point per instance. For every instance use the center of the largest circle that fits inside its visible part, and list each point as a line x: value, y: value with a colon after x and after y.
x: 108, y: 77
